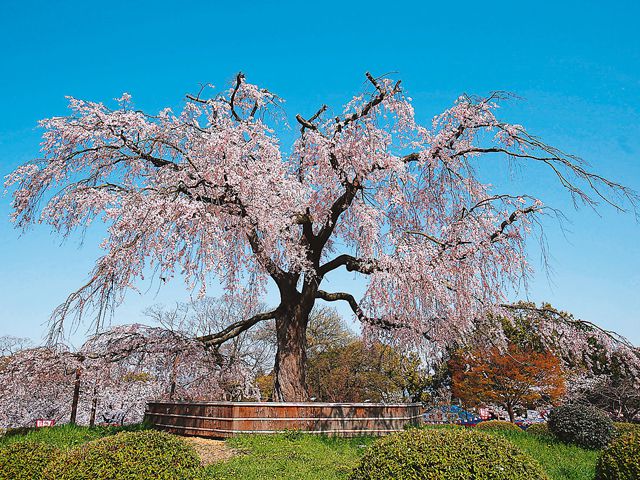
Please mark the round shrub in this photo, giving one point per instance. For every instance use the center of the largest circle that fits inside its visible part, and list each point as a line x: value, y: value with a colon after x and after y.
x: 539, y: 429
x: 625, y: 427
x: 498, y: 425
x: 129, y: 455
x: 445, y: 454
x: 582, y: 425
x: 621, y: 459
x: 25, y: 460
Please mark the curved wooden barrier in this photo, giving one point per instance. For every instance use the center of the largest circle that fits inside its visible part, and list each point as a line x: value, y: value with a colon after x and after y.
x: 224, y: 419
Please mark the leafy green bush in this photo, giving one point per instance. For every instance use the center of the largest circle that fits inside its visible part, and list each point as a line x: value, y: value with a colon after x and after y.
x: 128, y: 455
x: 497, y: 425
x: 621, y: 460
x: 437, y: 426
x: 445, y: 454
x: 625, y: 427
x: 582, y: 425
x: 25, y: 460
x: 539, y: 429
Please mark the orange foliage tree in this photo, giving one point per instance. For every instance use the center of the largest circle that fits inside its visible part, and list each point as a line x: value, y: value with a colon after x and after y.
x: 511, y: 379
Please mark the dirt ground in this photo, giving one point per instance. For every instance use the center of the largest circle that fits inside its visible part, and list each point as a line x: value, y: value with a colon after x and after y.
x: 211, y: 451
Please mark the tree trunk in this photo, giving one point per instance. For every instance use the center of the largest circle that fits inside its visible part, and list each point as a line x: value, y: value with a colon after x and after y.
x: 94, y: 406
x: 510, y: 412
x: 76, y: 397
x: 289, y: 372
x: 174, y: 376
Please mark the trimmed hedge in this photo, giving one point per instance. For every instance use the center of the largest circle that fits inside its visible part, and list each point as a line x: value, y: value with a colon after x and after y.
x: 539, y: 429
x: 621, y: 460
x: 445, y: 454
x: 128, y: 455
x: 581, y: 425
x: 498, y: 425
x: 626, y: 427
x: 25, y: 460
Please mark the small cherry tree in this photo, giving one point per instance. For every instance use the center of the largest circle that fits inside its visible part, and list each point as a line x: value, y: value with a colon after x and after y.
x: 112, y: 376
x: 210, y: 192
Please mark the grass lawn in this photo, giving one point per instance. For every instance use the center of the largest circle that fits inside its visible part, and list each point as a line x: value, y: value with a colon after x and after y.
x: 560, y: 461
x: 290, y: 456
x: 296, y: 456
x: 67, y: 436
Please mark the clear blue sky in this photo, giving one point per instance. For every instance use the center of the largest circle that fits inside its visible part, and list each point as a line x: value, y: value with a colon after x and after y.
x: 575, y: 63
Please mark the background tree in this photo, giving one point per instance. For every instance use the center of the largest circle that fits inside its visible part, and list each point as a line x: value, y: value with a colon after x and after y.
x: 580, y: 345
x: 10, y: 344
x: 616, y: 395
x: 112, y: 376
x: 357, y: 372
x: 208, y: 192
x: 512, y: 379
x: 253, y: 350
x: 600, y: 372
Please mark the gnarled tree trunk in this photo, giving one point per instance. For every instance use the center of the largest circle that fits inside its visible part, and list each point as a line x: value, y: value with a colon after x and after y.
x: 289, y: 371
x: 291, y: 355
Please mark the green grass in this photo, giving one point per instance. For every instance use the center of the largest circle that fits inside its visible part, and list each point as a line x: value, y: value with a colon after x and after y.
x: 290, y: 456
x: 67, y: 436
x: 297, y: 456
x: 560, y: 461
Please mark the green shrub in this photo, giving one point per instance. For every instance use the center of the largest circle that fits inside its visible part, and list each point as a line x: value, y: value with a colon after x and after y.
x: 621, y: 460
x: 437, y: 426
x: 539, y: 429
x: 445, y: 454
x: 625, y: 427
x: 581, y: 425
x: 25, y: 460
x: 128, y: 455
x: 497, y: 425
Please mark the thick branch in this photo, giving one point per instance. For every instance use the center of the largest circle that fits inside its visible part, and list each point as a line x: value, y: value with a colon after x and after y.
x: 347, y: 297
x: 235, y: 329
x: 376, y: 100
x: 338, y: 208
x: 512, y: 219
x: 351, y: 263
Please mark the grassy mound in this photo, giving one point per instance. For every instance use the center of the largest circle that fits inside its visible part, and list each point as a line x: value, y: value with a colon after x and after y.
x: 446, y: 454
x: 128, y: 455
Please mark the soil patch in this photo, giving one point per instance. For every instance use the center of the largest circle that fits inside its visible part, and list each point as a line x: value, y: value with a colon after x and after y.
x: 211, y: 451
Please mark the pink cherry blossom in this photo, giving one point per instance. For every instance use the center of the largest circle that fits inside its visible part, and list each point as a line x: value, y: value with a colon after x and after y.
x: 210, y: 194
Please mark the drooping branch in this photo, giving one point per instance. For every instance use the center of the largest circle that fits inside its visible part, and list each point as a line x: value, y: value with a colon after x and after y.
x: 573, y: 322
x: 558, y: 160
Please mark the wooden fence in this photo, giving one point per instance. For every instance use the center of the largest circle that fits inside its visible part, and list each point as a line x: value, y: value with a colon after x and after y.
x: 224, y: 419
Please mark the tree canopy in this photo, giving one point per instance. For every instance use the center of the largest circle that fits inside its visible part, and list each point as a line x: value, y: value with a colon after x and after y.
x: 210, y: 192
